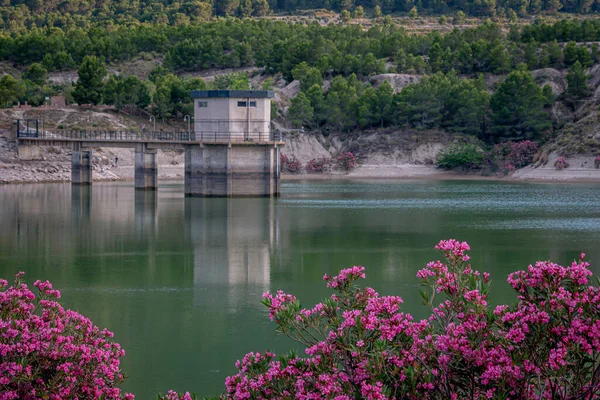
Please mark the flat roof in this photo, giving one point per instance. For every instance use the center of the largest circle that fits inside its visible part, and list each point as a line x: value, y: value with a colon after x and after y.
x: 208, y: 94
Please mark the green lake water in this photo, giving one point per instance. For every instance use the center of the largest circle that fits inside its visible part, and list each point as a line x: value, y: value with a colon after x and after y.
x: 179, y: 280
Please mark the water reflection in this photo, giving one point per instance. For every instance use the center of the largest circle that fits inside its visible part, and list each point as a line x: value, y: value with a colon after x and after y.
x: 81, y: 204
x: 233, y: 240
x: 146, y: 213
x: 183, y: 277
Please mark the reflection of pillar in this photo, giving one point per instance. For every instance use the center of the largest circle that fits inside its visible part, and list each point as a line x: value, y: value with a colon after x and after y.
x: 145, y: 212
x: 81, y: 203
x: 146, y: 171
x: 232, y: 242
x: 81, y: 165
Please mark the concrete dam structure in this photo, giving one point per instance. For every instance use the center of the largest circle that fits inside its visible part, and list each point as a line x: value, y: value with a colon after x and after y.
x: 231, y: 151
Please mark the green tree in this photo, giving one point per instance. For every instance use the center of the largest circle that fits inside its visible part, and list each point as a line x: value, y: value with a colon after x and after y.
x: 499, y: 59
x: 345, y: 15
x: 11, y: 90
x: 460, y: 18
x: 570, y: 54
x: 317, y: 101
x: 377, y: 12
x: 36, y: 73
x: 90, y: 86
x: 576, y: 83
x: 413, y: 13
x: 359, y: 12
x: 518, y: 109
x: 126, y: 91
x: 300, y: 112
x: 443, y: 20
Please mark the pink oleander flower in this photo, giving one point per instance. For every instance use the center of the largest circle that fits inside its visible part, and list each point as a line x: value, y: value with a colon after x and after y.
x: 361, y: 345
x: 48, y: 352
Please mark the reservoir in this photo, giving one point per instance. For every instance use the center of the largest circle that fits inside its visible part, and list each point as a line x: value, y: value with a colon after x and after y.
x: 179, y: 280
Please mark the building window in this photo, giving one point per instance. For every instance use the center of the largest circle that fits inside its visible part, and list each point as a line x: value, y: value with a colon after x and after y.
x: 245, y: 104
x: 203, y: 104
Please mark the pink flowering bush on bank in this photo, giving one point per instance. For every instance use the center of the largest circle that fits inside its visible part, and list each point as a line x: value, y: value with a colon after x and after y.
x: 509, y: 156
x: 47, y: 352
x: 359, y: 344
x: 561, y: 163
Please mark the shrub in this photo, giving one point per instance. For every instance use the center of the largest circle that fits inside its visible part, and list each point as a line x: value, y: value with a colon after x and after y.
x: 52, y: 353
x: 508, y: 156
x: 465, y: 156
x: 361, y: 345
x: 561, y: 163
x: 172, y: 395
x: 597, y: 162
x: 346, y: 161
x: 318, y: 165
x: 289, y: 164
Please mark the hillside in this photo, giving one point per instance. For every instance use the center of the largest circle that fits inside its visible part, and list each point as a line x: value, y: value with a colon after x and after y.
x: 378, y: 89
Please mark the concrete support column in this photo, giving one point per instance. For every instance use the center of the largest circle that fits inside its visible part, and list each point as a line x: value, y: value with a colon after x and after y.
x: 146, y: 168
x: 207, y: 171
x: 81, y: 165
x: 28, y: 152
x: 231, y: 170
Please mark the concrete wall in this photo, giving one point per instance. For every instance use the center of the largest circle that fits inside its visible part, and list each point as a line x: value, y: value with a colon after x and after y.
x: 224, y: 117
x: 28, y: 152
x: 230, y: 171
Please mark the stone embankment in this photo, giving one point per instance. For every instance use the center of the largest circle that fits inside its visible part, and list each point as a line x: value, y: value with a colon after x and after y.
x: 388, y: 155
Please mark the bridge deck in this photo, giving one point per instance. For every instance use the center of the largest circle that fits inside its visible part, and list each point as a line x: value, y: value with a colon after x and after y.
x: 157, y: 139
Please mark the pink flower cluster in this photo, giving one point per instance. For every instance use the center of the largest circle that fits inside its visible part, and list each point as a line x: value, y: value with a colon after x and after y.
x: 172, y: 395
x: 509, y: 156
x: 318, y: 165
x: 48, y: 352
x: 346, y: 161
x: 361, y: 345
x: 289, y: 164
x: 561, y: 163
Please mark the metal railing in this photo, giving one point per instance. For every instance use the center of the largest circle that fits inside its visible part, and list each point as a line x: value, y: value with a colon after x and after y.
x: 129, y: 136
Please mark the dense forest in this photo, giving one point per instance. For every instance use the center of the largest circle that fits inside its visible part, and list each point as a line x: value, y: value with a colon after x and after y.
x: 16, y: 14
x: 333, y: 65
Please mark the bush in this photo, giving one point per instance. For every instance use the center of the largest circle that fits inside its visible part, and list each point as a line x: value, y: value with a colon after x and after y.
x: 318, y: 165
x: 346, y: 161
x: 52, y: 353
x: 465, y: 156
x: 508, y: 156
x: 289, y: 164
x: 561, y: 163
x: 361, y: 345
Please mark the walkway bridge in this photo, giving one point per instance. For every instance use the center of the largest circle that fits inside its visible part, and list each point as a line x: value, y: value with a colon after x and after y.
x: 217, y: 163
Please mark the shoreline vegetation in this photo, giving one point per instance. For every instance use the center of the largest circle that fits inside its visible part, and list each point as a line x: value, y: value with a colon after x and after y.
x: 358, y: 344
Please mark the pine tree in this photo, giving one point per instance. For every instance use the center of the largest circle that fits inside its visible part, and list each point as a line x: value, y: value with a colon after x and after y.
x: 300, y: 112
x: 11, y: 90
x: 518, y: 108
x: 571, y: 54
x: 576, y: 83
x: 89, y: 87
x: 377, y: 12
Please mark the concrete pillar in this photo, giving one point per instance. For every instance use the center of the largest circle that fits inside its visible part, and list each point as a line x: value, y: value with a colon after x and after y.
x: 81, y: 165
x: 146, y: 168
x: 28, y: 152
x: 231, y: 170
x: 207, y: 171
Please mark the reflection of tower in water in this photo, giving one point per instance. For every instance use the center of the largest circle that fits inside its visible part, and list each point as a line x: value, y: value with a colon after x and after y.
x: 232, y: 240
x: 81, y: 204
x: 146, y: 213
